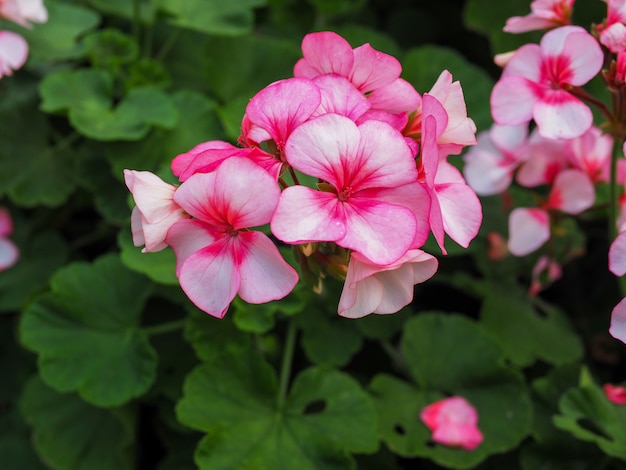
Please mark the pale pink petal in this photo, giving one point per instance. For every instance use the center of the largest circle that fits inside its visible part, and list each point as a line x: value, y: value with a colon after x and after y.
x: 282, y: 106
x: 214, y: 151
x: 6, y: 222
x: 435, y: 218
x: 584, y: 56
x: 186, y: 237
x: 9, y: 253
x: 508, y: 137
x: 461, y: 212
x: 434, y: 121
x: 486, y: 169
x: 305, y: 215
x: 528, y: 230
x: 512, y: 100
x: 324, y: 52
x: 153, y: 196
x: 614, y: 37
x: 546, y: 158
x: 397, y: 97
x: 13, y: 52
x: 136, y: 228
x: 341, y: 97
x: 23, y: 11
x: 591, y: 153
x: 210, y: 277
x: 618, y: 321
x: 453, y: 422
x: 522, y: 24
x: 572, y: 192
x: 561, y: 116
x: 617, y: 255
x: 525, y: 62
x: 265, y: 275
x: 359, y: 299
x: 373, y: 69
x: 553, y: 42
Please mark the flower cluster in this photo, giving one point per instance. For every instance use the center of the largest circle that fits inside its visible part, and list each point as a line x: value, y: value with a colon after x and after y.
x: 345, y: 161
x: 13, y: 47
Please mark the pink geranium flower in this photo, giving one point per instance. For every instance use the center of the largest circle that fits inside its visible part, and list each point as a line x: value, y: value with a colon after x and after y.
x: 372, y: 288
x: 535, y: 83
x: 453, y: 422
x: 615, y: 393
x: 613, y: 30
x: 9, y: 253
x: 366, y: 171
x: 13, y: 52
x: 217, y: 257
x: 544, y: 14
x: 155, y: 211
x: 23, y: 11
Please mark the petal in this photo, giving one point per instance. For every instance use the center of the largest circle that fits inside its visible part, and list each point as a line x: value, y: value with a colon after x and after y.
x: 618, y: 321
x: 397, y: 97
x: 359, y: 299
x: 186, y: 237
x: 522, y: 24
x: 9, y: 253
x: 561, y: 116
x: 6, y: 222
x: 13, y: 52
x: 512, y: 100
x: 528, y: 230
x: 617, y: 255
x: 553, y: 42
x: 373, y: 69
x: 572, y: 192
x: 339, y: 96
x: 305, y: 215
x: 265, y: 275
x: 213, y: 152
x: 525, y: 62
x: 461, y: 212
x: 153, y: 196
x: 584, y: 55
x: 324, y: 52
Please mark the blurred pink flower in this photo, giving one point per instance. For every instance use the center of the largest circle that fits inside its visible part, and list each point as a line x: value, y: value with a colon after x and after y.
x: 9, y: 253
x: 615, y: 393
x: 23, y: 11
x: 544, y: 14
x: 618, y: 321
x: 453, y: 422
x: 613, y: 30
x: 13, y: 52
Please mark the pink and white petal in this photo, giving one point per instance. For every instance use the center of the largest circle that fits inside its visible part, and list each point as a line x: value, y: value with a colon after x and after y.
x: 525, y: 62
x: 305, y: 215
x: 324, y: 52
x: 553, y: 42
x: 339, y: 96
x: 614, y: 37
x: 584, y: 56
x: 6, y: 222
x: 561, y: 116
x: 528, y: 230
x: 522, y: 24
x: 9, y: 253
x: 573, y: 192
x: 617, y: 255
x: 210, y: 277
x: 136, y: 228
x: 381, y: 232
x: 618, y: 321
x: 187, y: 237
x: 195, y: 196
x: 181, y: 163
x: 397, y: 289
x: 265, y: 275
x: 397, y: 121
x: 430, y: 150
x: 397, y: 97
x: 466, y: 436
x: 435, y: 218
x: 154, y: 235
x: 448, y: 173
x: 512, y: 100
x: 244, y: 193
x: 361, y: 298
x: 461, y: 212
x: 13, y: 52
x: 373, y: 69
x: 486, y: 172
x: 546, y: 158
x: 153, y: 196
x: 508, y: 137
x: 320, y: 147
x: 282, y: 106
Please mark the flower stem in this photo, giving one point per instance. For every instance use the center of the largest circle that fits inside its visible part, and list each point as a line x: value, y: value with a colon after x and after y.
x: 162, y: 328
x: 285, y: 369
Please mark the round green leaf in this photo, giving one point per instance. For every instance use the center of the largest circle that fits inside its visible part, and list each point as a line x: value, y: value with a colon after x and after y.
x: 70, y: 434
x: 86, y: 332
x: 159, y: 266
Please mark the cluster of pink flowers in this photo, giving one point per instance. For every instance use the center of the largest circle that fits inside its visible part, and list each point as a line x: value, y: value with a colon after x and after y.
x: 345, y: 161
x: 13, y: 47
x: 9, y: 253
x: 543, y: 83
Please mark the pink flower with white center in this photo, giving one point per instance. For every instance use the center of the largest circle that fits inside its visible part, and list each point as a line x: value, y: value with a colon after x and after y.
x: 535, y: 83
x: 613, y: 30
x: 278, y: 109
x: 9, y: 253
x: 572, y: 193
x: 618, y: 321
x: 23, y: 11
x: 454, y: 208
x: 367, y: 172
x: 207, y: 156
x: 13, y: 52
x: 489, y: 166
x: 591, y: 153
x: 327, y: 52
x: 217, y: 257
x: 453, y: 422
x: 372, y: 288
x: 615, y: 393
x: 155, y: 211
x: 544, y: 14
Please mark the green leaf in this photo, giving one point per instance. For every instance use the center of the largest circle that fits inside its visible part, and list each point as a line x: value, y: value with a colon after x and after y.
x: 233, y: 400
x: 56, y: 39
x: 219, y: 17
x: 86, y: 332
x: 329, y: 340
x: 125, y: 9
x: 452, y: 355
x: 86, y: 96
x: 214, y: 339
x: 160, y: 266
x: 526, y: 333
x: 422, y: 66
x: 70, y: 434
x: 588, y: 414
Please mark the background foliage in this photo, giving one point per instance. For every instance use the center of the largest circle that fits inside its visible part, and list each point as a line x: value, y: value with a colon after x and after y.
x: 106, y: 364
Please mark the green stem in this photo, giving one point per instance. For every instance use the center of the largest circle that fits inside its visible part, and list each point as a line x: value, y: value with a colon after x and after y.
x: 162, y: 328
x: 285, y: 368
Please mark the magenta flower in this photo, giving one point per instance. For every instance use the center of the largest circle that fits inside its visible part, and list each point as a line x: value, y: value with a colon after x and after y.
x: 453, y: 422
x: 155, y: 211
x: 9, y: 253
x: 544, y: 14
x: 367, y: 171
x: 13, y: 52
x: 371, y: 288
x: 535, y: 83
x: 615, y: 393
x: 217, y: 257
